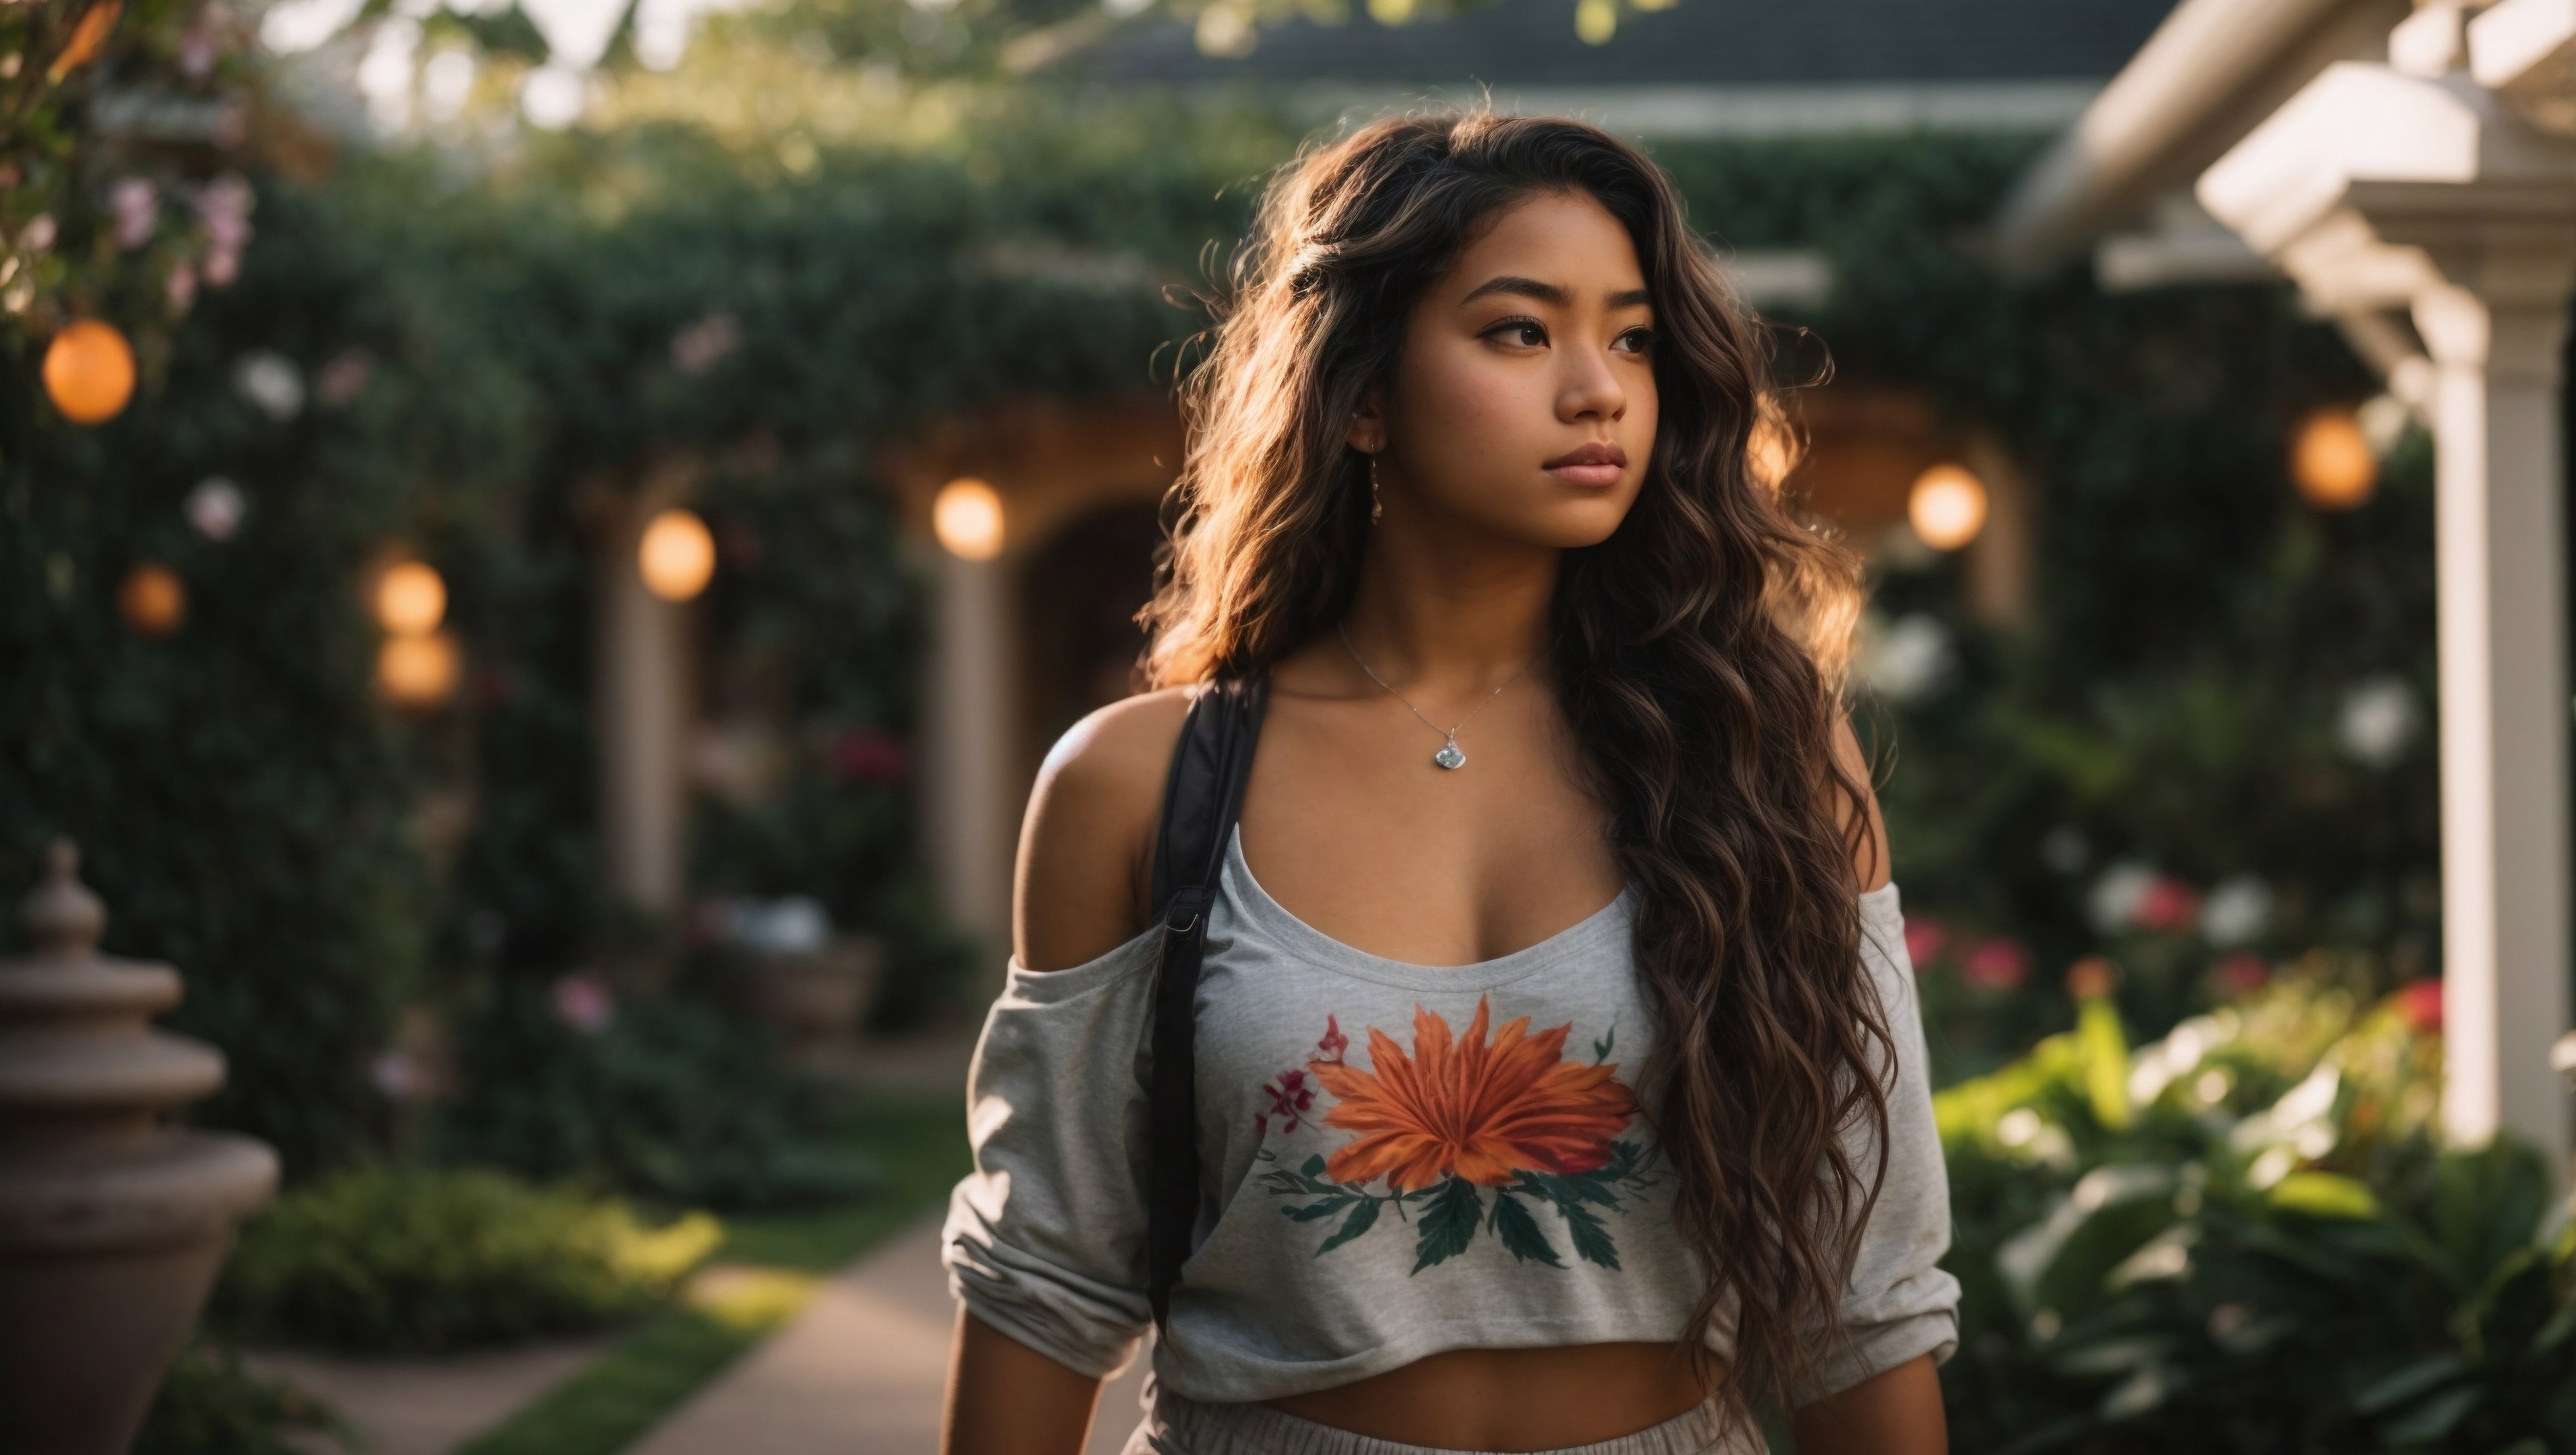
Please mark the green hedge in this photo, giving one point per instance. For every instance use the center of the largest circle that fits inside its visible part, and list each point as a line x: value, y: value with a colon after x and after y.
x: 413, y: 1259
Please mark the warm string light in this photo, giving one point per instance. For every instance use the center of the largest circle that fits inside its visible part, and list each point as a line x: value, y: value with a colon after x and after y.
x: 417, y: 665
x: 967, y: 518
x: 677, y: 556
x: 411, y: 600
x: 89, y: 371
x: 152, y: 599
x: 1947, y: 507
x: 2331, y: 461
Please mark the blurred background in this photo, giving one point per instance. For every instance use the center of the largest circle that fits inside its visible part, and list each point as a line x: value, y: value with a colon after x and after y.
x: 542, y: 542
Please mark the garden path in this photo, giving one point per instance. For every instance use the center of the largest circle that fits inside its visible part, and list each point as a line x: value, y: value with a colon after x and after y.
x: 860, y: 1372
x: 429, y: 1405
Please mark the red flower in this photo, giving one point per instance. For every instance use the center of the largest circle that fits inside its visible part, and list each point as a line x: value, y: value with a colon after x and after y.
x: 869, y: 756
x: 2421, y: 1002
x: 1924, y: 938
x: 1999, y: 963
x: 1334, y: 1043
x: 1290, y: 1099
x: 2240, y: 974
x: 2166, y: 904
x: 1465, y: 1108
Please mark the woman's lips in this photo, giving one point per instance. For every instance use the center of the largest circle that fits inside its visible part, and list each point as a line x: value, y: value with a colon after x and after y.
x: 1596, y: 465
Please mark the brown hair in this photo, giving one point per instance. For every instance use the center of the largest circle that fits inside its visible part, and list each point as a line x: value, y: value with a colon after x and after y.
x: 1697, y: 656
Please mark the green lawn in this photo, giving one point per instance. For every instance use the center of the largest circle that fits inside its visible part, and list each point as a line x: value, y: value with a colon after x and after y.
x: 768, y: 1267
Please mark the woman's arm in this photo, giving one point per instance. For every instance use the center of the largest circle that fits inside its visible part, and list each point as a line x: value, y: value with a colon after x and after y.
x: 1086, y: 853
x: 1897, y: 1412
x: 1005, y: 1398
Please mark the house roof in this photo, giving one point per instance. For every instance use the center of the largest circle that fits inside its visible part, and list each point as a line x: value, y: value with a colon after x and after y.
x: 1712, y: 43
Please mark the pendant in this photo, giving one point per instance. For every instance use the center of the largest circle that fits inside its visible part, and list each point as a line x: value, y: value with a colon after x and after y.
x: 1449, y: 756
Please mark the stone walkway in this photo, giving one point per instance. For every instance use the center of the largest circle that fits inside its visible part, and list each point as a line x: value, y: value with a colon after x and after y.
x: 427, y: 1406
x: 860, y: 1372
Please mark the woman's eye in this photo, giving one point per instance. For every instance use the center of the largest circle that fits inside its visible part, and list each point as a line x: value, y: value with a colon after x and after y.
x: 1635, y: 340
x: 1523, y: 332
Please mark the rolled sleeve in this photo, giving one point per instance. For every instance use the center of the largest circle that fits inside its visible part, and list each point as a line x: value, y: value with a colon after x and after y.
x: 1045, y: 1239
x: 1900, y: 1304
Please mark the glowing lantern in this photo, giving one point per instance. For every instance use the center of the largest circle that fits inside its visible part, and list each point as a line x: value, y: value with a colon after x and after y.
x: 677, y: 555
x: 152, y: 599
x: 967, y: 517
x: 89, y: 371
x: 2331, y: 461
x: 1947, y: 507
x: 419, y: 671
x: 411, y: 600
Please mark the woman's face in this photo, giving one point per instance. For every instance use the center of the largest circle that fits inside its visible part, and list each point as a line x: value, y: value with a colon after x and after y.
x: 1524, y: 399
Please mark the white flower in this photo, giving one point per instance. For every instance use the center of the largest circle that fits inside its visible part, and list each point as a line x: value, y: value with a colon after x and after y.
x: 2237, y: 911
x: 215, y: 507
x: 2378, y: 720
x: 1906, y: 659
x: 270, y: 383
x: 2113, y: 904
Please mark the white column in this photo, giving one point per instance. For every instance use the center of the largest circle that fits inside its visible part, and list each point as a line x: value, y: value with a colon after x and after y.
x: 968, y: 739
x: 2502, y: 625
x: 641, y: 702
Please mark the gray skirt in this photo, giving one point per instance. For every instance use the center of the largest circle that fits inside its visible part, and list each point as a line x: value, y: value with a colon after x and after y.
x: 1177, y: 1426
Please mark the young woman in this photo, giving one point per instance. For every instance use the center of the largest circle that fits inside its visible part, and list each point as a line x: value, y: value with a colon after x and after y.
x: 1559, y: 1078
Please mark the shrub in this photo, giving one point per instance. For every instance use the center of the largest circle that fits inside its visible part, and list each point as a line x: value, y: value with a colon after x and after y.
x: 669, y: 1099
x: 413, y: 1259
x: 2247, y: 1237
x: 210, y: 1405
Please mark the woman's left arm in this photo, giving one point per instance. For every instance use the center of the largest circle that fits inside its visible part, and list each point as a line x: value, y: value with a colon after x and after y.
x: 1896, y: 1412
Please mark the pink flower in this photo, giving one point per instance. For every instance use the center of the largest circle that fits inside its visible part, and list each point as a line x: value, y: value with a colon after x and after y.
x: 1291, y: 1097
x: 2240, y: 974
x: 584, y: 1003
x: 182, y: 286
x: 2166, y: 904
x: 136, y: 204
x: 2421, y: 1002
x: 1924, y: 939
x: 1997, y: 963
x: 394, y: 1076
x: 869, y: 756
x: 1334, y: 1043
x: 345, y: 377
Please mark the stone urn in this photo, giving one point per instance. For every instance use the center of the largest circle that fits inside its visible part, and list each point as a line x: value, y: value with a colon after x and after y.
x: 112, y: 1225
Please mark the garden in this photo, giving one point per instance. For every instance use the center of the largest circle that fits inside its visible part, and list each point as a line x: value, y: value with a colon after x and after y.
x: 2169, y: 848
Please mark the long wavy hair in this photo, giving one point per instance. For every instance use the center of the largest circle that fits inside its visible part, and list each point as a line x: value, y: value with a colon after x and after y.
x: 1698, y: 656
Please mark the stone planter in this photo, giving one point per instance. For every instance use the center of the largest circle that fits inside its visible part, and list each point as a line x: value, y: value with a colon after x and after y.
x: 112, y: 1225
x: 814, y: 996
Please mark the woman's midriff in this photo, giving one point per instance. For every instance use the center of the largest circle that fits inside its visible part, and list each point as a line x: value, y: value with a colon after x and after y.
x: 1513, y: 1399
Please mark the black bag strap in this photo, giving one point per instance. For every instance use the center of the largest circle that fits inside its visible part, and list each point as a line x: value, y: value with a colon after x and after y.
x: 1201, y: 801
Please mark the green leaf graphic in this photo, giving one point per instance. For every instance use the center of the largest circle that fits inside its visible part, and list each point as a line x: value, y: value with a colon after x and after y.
x: 1362, y: 1218
x: 1314, y: 1167
x: 1591, y: 1240
x: 1324, y: 1209
x: 1601, y: 1048
x: 1448, y: 1223
x: 1520, y: 1231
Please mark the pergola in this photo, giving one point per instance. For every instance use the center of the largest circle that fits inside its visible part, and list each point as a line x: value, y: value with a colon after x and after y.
x: 2413, y: 171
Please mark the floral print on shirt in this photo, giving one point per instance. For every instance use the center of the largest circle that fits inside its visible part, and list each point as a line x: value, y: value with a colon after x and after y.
x: 1464, y: 1133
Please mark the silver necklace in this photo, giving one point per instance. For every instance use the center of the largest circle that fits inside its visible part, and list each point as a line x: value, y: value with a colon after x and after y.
x: 1449, y: 755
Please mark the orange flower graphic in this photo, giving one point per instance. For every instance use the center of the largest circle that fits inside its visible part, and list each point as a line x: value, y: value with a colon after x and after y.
x: 1481, y: 1112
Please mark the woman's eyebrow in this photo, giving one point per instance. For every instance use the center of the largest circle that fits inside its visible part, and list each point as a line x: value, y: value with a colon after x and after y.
x: 1548, y: 293
x: 1523, y: 287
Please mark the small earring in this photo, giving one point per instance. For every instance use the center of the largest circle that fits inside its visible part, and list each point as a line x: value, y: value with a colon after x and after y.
x: 1377, y: 503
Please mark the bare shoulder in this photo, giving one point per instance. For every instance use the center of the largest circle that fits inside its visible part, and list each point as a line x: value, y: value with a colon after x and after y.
x: 1087, y: 843
x: 1870, y: 858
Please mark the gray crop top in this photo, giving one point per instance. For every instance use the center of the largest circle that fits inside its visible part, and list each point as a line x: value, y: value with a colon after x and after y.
x: 1401, y: 1159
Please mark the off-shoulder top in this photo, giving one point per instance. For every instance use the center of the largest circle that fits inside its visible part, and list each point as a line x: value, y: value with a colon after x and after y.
x: 1399, y: 1160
